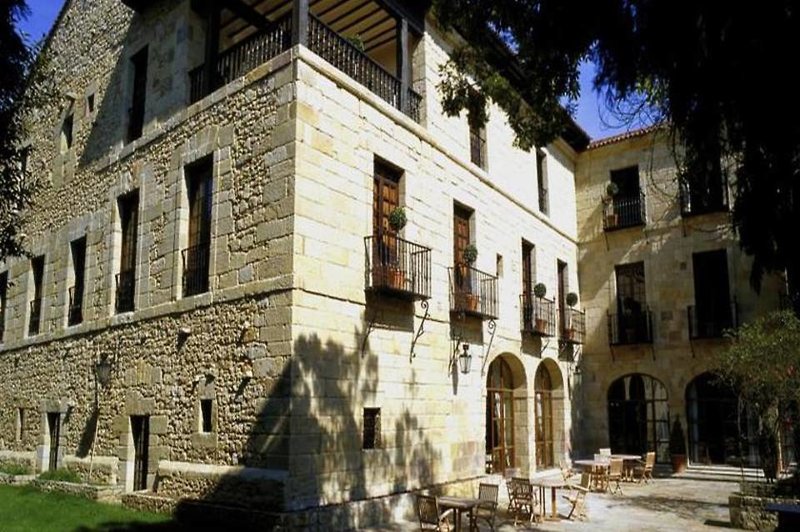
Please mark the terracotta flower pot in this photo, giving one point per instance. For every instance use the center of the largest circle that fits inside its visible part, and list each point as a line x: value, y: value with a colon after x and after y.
x: 679, y: 463
x: 541, y: 325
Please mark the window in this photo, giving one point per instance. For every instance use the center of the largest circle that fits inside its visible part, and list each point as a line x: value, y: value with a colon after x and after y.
x: 631, y: 324
x: 638, y: 416
x: 206, y: 412
x: 461, y: 233
x: 477, y: 145
x: 75, y: 313
x: 20, y: 423
x: 541, y: 178
x: 199, y: 187
x: 90, y: 104
x: 372, y: 429
x: 37, y: 271
x: 128, y: 206
x: 528, y: 273
x: 66, y: 133
x: 713, y: 311
x: 136, y: 110
x: 499, y: 265
x: 626, y: 207
x: 3, y: 303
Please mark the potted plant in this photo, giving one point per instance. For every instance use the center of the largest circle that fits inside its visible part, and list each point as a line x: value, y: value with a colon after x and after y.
x: 540, y: 290
x: 470, y: 255
x: 389, y: 269
x: 572, y: 300
x: 612, y: 218
x: 677, y: 447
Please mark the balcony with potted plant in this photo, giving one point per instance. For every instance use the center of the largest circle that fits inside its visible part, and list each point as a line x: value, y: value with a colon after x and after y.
x: 621, y: 211
x: 573, y: 322
x: 538, y: 314
x: 472, y: 291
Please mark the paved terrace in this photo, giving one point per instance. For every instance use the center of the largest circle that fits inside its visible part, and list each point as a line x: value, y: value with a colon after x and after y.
x: 695, y: 500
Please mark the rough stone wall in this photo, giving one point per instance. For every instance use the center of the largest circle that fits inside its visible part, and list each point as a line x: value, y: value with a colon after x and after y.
x: 665, y: 245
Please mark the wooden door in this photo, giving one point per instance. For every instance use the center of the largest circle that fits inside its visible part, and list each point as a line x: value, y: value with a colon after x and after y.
x: 543, y: 405
x: 140, y: 426
x: 54, y: 425
x: 500, y: 416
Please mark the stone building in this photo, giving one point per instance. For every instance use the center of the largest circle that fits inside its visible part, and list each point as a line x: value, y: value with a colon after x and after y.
x: 661, y: 277
x: 217, y: 308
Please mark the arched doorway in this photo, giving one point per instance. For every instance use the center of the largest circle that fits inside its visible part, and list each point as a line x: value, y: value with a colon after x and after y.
x: 543, y: 405
x: 716, y: 421
x: 638, y: 416
x: 500, y: 415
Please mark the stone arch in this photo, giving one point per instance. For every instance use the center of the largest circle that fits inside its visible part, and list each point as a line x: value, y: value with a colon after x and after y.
x: 548, y: 405
x: 507, y: 414
x: 638, y: 416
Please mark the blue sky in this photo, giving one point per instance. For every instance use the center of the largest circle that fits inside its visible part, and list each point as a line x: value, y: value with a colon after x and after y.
x: 44, y: 12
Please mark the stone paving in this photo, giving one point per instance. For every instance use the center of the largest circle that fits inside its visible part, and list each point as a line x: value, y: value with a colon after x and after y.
x: 663, y: 504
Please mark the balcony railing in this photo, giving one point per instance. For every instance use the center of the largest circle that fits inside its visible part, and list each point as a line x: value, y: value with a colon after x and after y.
x: 325, y: 42
x: 620, y: 212
x: 195, y: 269
x: 711, y: 321
x: 35, y: 317
x: 126, y: 286
x: 473, y: 292
x: 242, y: 58
x: 75, y: 312
x: 573, y: 326
x: 398, y: 267
x: 538, y: 315
x: 696, y: 202
x: 630, y: 328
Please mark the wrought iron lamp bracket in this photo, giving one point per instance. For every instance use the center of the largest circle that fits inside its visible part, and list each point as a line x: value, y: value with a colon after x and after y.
x: 492, y: 327
x: 421, y: 329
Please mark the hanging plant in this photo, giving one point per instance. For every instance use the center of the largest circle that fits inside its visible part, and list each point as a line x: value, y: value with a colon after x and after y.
x: 397, y: 219
x: 612, y: 189
x: 540, y: 290
x: 572, y: 299
x: 470, y: 254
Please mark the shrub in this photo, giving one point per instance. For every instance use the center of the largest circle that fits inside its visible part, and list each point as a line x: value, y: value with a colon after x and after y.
x: 61, y: 475
x: 612, y: 189
x: 572, y: 299
x: 470, y: 254
x: 397, y: 218
x: 540, y: 290
x: 13, y: 468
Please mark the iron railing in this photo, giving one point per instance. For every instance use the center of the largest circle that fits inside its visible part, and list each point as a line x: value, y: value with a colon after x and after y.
x: 126, y: 286
x: 35, y: 317
x: 573, y: 325
x: 397, y: 266
x: 473, y: 292
x: 195, y: 269
x: 695, y: 202
x: 711, y: 321
x: 75, y: 312
x: 630, y: 328
x: 620, y: 211
x: 242, y: 58
x: 538, y: 315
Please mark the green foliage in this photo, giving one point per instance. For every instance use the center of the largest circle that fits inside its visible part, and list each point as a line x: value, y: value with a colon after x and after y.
x: 397, y: 218
x: 612, y: 189
x: 715, y: 76
x: 677, y: 443
x: 13, y: 468
x: 470, y: 254
x: 572, y: 299
x: 357, y: 42
x: 61, y: 475
x: 540, y: 290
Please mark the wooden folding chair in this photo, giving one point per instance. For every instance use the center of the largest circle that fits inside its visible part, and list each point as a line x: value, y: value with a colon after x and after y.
x: 643, y: 470
x: 577, y: 496
x: 615, y: 470
x: 487, y: 508
x: 430, y: 518
x: 522, y: 499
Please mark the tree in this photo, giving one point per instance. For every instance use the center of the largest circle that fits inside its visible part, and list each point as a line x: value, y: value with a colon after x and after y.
x: 715, y: 75
x: 763, y: 365
x: 16, y: 62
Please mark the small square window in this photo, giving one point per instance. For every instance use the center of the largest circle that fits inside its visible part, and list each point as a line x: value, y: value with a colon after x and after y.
x: 206, y: 411
x: 20, y: 423
x: 90, y: 104
x: 66, y: 133
x: 372, y: 428
x: 499, y: 265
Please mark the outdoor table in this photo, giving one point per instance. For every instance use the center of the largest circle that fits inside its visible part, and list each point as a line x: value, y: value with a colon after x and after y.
x: 459, y: 505
x: 553, y: 483
x: 596, y: 466
x: 627, y: 471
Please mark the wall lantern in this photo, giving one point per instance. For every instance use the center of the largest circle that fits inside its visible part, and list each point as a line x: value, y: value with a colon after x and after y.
x: 103, y: 370
x: 465, y: 359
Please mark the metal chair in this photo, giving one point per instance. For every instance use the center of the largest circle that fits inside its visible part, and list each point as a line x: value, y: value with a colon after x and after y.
x: 430, y: 518
x: 521, y: 499
x: 577, y: 496
x: 643, y: 470
x: 487, y: 508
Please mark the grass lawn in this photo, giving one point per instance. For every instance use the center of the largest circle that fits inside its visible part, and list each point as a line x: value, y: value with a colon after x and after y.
x: 27, y: 509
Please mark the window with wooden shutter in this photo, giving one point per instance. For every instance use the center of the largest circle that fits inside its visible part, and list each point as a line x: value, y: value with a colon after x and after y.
x: 199, y: 186
x: 129, y: 225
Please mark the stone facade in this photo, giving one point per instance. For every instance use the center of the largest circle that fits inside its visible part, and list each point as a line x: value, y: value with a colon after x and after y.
x: 286, y: 344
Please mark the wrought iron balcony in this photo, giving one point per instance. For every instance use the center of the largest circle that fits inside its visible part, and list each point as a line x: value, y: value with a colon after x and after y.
x: 473, y: 292
x: 195, y: 269
x: 696, y: 202
x: 126, y: 287
x: 538, y: 315
x: 325, y: 42
x: 621, y: 212
x: 711, y: 321
x: 573, y: 326
x: 397, y: 267
x: 75, y: 312
x: 630, y: 328
x: 35, y: 317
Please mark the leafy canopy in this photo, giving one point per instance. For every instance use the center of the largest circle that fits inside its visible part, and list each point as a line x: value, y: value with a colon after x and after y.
x: 719, y: 75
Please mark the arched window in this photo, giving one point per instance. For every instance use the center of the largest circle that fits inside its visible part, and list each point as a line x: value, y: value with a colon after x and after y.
x: 500, y: 415
x: 638, y: 416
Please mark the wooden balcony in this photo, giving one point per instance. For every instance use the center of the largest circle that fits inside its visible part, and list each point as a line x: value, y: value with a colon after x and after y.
x: 538, y: 315
x: 573, y: 326
x: 473, y: 292
x: 711, y: 321
x: 621, y: 212
x: 397, y: 267
x: 630, y: 328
